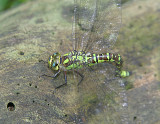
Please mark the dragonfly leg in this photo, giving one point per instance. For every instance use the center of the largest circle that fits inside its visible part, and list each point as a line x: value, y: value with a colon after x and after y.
x: 53, y: 76
x: 42, y: 61
x: 81, y: 77
x: 90, y: 68
x: 65, y: 77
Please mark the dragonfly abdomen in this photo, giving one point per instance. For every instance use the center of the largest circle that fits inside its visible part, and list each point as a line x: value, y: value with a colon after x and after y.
x: 76, y: 59
x: 105, y: 57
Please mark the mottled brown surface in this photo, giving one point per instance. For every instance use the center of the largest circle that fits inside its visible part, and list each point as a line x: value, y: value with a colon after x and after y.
x: 28, y: 34
x: 36, y: 29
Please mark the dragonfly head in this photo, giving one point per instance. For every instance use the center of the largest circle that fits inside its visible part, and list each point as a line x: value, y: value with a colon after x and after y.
x: 54, y: 61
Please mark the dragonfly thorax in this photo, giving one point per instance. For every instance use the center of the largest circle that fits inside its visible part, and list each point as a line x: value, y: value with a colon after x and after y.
x: 54, y: 61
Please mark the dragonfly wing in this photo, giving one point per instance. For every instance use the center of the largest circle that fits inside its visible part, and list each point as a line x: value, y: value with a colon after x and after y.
x: 84, y: 16
x: 102, y: 96
x: 95, y: 28
x: 96, y: 24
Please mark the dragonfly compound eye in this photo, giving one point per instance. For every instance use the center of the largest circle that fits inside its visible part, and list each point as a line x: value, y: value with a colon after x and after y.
x: 55, y: 66
x: 56, y: 55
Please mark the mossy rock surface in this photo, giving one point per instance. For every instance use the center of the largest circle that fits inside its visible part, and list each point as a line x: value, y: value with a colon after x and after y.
x: 35, y: 30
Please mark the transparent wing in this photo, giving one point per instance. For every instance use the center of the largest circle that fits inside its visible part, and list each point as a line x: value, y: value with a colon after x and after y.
x: 102, y: 95
x: 99, y: 98
x: 96, y: 24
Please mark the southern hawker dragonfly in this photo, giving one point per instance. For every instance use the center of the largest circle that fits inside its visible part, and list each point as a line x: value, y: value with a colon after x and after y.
x: 95, y: 27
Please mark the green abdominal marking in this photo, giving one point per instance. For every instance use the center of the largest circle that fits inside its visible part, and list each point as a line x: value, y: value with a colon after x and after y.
x: 76, y: 59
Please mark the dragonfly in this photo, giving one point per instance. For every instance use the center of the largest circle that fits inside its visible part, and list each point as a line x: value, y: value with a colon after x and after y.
x: 75, y: 59
x: 95, y: 28
x: 97, y: 34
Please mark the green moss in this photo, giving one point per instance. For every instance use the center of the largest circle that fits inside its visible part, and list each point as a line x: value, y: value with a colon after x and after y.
x: 92, y: 99
x: 143, y: 33
x: 138, y: 37
x: 129, y: 85
x: 125, y: 1
x: 139, y: 41
x: 109, y: 98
